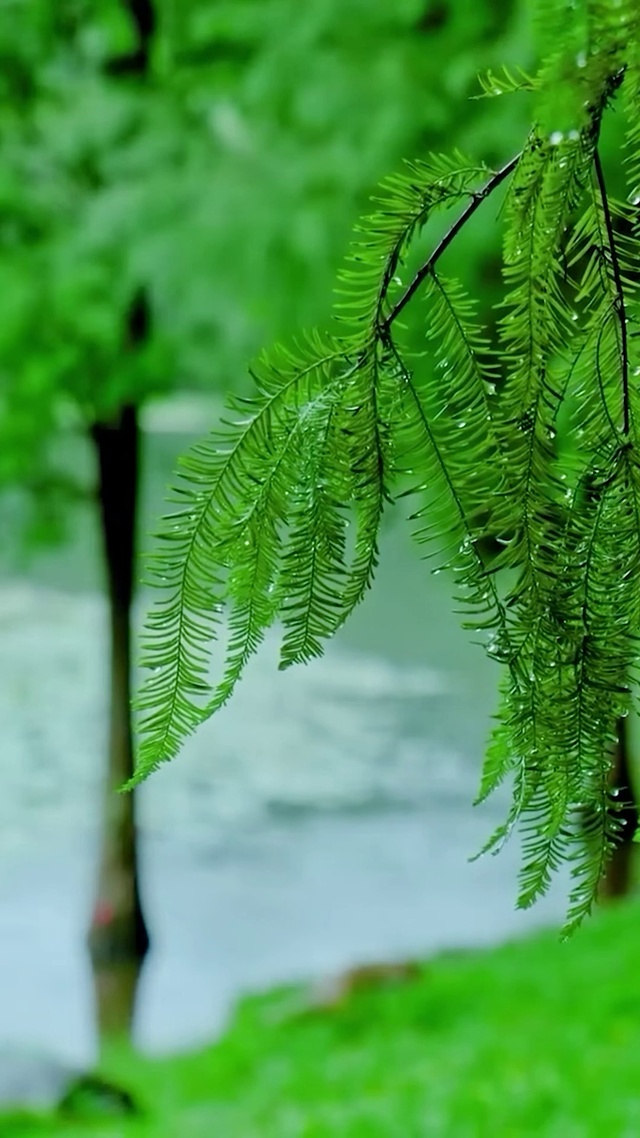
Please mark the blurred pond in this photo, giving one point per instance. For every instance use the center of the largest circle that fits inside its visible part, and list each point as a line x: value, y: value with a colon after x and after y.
x: 324, y: 817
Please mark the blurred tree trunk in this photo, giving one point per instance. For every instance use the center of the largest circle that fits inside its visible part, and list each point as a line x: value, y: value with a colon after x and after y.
x: 618, y: 877
x: 118, y: 937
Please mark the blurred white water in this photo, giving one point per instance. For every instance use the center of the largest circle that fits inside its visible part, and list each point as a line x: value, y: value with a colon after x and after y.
x: 342, y: 734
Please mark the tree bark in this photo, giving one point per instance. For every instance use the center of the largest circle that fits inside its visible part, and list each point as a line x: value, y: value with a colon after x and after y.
x: 618, y: 877
x: 118, y: 939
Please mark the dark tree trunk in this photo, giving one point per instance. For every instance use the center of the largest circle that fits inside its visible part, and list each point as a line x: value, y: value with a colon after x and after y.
x: 618, y: 877
x: 118, y: 939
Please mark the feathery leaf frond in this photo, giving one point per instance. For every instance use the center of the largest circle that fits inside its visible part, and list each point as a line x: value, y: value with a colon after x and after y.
x: 505, y: 82
x: 521, y: 459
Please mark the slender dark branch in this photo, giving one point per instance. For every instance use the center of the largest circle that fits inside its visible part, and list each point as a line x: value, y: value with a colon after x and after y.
x: 619, y: 304
x: 477, y: 198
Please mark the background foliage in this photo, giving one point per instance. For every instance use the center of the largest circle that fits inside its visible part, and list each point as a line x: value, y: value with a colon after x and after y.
x: 225, y: 189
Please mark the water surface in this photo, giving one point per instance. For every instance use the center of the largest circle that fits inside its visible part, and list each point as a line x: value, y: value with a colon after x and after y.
x: 323, y: 817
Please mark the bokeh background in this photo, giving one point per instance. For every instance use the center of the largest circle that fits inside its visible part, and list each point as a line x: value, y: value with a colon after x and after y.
x: 325, y: 817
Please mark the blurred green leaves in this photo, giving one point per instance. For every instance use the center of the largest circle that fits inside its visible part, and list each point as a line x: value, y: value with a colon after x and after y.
x: 226, y: 186
x: 223, y: 184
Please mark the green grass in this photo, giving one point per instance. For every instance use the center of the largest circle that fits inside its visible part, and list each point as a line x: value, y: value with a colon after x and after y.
x: 534, y: 1038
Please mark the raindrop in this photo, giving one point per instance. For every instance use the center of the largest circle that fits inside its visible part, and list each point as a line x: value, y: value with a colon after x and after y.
x: 556, y: 138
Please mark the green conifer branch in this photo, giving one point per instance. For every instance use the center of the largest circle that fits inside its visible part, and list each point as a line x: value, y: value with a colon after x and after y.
x: 478, y: 439
x: 476, y: 199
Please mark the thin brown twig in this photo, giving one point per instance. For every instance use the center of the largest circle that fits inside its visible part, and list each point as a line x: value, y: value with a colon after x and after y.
x: 619, y: 303
x: 477, y: 198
